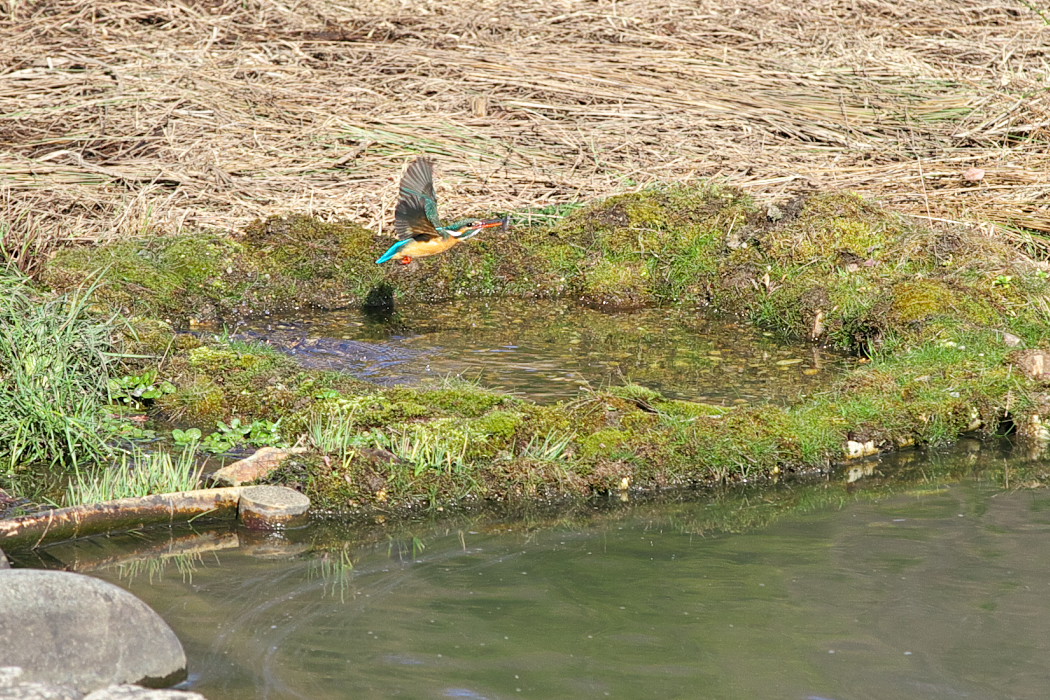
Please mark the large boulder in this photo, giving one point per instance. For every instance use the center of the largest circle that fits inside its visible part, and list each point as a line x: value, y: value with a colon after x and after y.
x: 77, y: 631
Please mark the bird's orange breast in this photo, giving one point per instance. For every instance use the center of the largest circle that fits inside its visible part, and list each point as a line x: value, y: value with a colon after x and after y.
x: 419, y: 249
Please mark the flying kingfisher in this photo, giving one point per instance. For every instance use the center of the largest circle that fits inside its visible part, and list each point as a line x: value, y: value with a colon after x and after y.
x: 416, y: 218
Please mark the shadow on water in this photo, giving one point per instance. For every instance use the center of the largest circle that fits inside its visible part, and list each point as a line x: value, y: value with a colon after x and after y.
x: 919, y: 575
x: 547, y: 351
x: 380, y: 296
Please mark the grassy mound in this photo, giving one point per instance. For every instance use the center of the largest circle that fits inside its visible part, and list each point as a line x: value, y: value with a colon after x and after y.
x: 934, y: 312
x: 830, y: 267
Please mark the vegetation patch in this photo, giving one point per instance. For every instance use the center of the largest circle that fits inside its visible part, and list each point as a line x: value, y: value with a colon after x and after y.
x: 56, y: 358
x: 928, y: 309
x: 134, y: 474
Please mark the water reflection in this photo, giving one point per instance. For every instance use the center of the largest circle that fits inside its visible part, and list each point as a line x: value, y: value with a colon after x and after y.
x: 549, y: 350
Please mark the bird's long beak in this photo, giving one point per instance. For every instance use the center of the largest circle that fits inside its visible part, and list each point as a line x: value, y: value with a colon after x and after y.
x: 490, y: 223
x: 484, y: 224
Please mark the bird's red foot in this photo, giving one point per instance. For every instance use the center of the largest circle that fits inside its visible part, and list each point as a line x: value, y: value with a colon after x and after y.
x: 405, y: 260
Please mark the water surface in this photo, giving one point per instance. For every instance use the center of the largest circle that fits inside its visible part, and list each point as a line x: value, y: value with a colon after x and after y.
x: 933, y: 586
x: 548, y: 349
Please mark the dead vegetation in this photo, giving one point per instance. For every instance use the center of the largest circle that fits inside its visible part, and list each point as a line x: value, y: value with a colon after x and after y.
x: 154, y: 116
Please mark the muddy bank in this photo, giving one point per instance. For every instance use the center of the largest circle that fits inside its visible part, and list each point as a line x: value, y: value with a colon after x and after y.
x: 943, y: 318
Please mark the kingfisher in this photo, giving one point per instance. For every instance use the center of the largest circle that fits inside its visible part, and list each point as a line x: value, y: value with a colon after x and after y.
x: 416, y: 218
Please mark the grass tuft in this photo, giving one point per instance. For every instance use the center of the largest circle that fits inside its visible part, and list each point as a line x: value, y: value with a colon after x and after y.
x: 55, y: 357
x: 552, y: 447
x: 133, y: 475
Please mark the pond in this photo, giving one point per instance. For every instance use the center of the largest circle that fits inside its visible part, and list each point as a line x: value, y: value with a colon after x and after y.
x: 547, y: 350
x: 928, y: 578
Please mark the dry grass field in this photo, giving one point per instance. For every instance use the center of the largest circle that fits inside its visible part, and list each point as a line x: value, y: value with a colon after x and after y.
x: 135, y: 117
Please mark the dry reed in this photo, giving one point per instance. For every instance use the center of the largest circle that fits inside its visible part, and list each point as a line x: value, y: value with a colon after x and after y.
x: 150, y: 116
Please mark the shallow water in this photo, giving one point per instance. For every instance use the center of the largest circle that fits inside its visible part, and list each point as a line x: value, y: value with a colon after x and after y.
x: 548, y: 350
x: 932, y: 584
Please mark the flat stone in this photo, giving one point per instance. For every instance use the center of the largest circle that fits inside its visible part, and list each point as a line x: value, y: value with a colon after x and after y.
x: 4, y: 563
x: 9, y: 675
x: 258, y: 466
x: 272, y: 507
x: 72, y: 630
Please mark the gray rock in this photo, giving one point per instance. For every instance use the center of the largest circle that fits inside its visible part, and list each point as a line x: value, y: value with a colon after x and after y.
x: 9, y: 675
x: 13, y: 687
x: 69, y: 629
x: 135, y: 692
x: 39, y: 691
x: 4, y: 564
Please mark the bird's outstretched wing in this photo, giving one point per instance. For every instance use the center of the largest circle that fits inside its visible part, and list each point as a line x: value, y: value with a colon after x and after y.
x: 416, y: 215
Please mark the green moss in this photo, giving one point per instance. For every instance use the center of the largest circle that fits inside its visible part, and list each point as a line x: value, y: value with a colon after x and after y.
x: 377, y: 409
x: 834, y: 238
x: 689, y: 409
x: 616, y: 283
x: 636, y: 392
x: 464, y: 441
x: 150, y: 336
x: 494, y: 432
x: 460, y: 398
x: 221, y: 362
x: 561, y: 259
x: 614, y: 252
x: 199, y: 401
x: 196, y: 260
x: 544, y: 420
x: 125, y: 266
x: 919, y: 300
x: 178, y: 276
x: 499, y: 425
x: 604, y: 442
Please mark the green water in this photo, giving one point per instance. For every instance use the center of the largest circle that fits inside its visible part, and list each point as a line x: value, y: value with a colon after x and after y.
x: 549, y: 350
x: 926, y: 579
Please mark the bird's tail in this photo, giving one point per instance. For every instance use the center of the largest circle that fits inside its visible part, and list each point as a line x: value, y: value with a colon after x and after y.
x: 391, y: 253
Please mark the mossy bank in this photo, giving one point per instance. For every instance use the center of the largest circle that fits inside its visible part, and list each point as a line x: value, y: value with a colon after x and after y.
x: 943, y: 316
